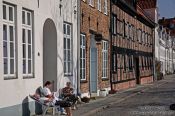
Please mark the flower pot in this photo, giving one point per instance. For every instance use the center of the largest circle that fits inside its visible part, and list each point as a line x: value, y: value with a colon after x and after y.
x: 102, y: 93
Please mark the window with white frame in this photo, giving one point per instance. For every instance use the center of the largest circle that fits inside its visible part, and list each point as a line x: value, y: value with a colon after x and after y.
x: 105, y: 7
x: 27, y: 43
x: 9, y: 41
x: 105, y: 59
x: 82, y: 57
x: 99, y: 5
x: 67, y: 49
x: 91, y: 2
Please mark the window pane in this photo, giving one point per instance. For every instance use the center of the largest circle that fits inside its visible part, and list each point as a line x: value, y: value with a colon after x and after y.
x: 29, y: 52
x: 23, y: 36
x: 24, y: 51
x: 11, y: 33
x: 24, y: 66
x: 65, y: 67
x: 64, y: 43
x: 11, y: 50
x: 4, y: 49
x: 84, y: 41
x: 29, y: 36
x: 68, y: 55
x: 84, y: 53
x: 10, y: 13
x: 12, y: 66
x: 68, y: 44
x: 23, y: 17
x: 81, y: 51
x: 64, y: 28
x: 4, y: 32
x: 81, y: 76
x: 68, y: 29
x: 81, y: 39
x: 69, y: 67
x: 29, y: 66
x: 4, y: 12
x: 84, y: 63
x: 5, y: 66
x: 28, y: 18
x: 65, y: 55
x: 81, y: 62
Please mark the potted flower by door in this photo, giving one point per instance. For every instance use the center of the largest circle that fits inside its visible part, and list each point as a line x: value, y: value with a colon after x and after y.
x: 103, y: 93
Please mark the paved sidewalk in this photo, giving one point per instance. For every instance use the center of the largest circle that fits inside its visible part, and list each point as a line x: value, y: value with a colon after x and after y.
x: 102, y: 103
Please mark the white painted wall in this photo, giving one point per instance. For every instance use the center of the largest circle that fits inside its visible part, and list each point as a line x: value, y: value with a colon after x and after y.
x: 14, y: 91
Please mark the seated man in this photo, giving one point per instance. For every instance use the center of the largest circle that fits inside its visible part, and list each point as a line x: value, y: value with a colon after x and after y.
x: 48, y: 94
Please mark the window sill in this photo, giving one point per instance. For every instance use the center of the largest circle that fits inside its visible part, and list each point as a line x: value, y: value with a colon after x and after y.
x: 9, y: 78
x: 28, y: 77
x: 105, y: 79
x: 68, y: 75
x: 91, y: 5
x: 83, y: 81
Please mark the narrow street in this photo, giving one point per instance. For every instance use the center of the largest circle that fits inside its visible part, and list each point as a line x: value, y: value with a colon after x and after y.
x: 152, y: 102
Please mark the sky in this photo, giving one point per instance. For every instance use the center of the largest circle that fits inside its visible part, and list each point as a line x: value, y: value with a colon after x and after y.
x: 166, y: 8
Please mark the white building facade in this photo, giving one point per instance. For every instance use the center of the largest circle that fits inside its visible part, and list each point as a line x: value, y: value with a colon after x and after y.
x: 38, y: 40
x: 164, y: 50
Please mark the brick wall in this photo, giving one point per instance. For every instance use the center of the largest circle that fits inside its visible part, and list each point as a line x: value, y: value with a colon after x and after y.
x: 92, y: 19
x: 134, y: 44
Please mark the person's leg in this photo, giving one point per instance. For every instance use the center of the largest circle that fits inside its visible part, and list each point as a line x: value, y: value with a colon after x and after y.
x: 68, y: 111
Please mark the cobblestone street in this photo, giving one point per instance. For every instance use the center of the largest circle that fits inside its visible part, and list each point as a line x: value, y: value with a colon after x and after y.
x: 152, y: 102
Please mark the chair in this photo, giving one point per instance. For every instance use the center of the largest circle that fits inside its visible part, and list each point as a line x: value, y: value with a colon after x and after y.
x: 45, y: 106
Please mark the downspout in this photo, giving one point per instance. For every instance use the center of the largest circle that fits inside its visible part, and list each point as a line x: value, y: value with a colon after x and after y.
x: 78, y: 46
x: 111, y: 48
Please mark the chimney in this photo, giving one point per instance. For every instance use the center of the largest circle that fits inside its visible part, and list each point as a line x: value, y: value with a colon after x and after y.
x: 163, y: 18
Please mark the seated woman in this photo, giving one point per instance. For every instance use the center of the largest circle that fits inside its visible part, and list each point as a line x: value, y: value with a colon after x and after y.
x: 68, y: 94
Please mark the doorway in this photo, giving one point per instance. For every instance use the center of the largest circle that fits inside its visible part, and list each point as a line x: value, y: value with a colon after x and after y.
x: 93, y: 65
x: 137, y: 71
x: 50, y: 53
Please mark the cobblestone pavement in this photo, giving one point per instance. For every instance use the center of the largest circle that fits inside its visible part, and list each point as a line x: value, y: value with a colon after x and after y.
x: 152, y: 102
x: 143, y: 100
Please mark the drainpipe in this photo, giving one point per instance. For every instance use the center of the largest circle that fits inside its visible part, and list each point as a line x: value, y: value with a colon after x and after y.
x: 111, y: 48
x: 78, y: 45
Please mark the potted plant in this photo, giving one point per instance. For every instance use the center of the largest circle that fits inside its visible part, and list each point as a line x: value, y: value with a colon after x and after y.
x: 103, y: 93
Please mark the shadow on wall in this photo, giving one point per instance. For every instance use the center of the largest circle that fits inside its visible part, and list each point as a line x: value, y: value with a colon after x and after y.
x: 25, y: 107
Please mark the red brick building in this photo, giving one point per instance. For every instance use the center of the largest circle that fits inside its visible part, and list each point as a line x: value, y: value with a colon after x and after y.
x: 132, y: 36
x: 94, y: 46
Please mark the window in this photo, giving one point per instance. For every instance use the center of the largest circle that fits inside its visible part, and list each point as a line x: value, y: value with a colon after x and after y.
x: 105, y: 7
x: 126, y: 30
x: 9, y: 41
x: 143, y: 35
x: 27, y: 43
x: 91, y: 2
x: 140, y: 35
x: 114, y: 30
x: 67, y: 49
x: 99, y: 5
x: 82, y: 57
x: 105, y: 59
